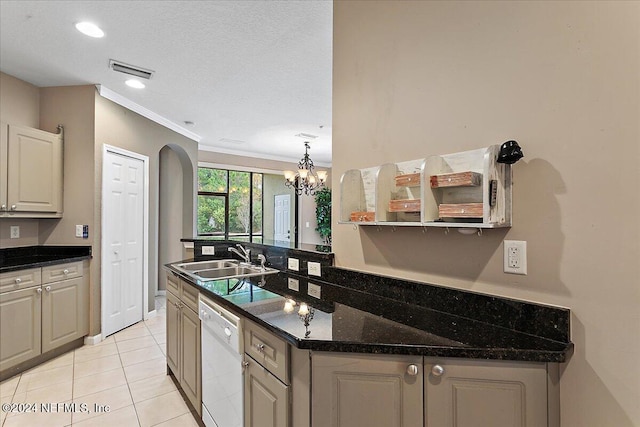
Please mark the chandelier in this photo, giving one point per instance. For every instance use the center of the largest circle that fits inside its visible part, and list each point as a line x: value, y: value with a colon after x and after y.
x: 306, y: 180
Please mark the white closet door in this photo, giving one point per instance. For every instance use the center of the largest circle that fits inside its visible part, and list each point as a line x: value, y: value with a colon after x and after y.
x: 123, y: 241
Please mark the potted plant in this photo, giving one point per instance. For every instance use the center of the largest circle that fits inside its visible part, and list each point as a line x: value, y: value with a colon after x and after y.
x: 323, y: 214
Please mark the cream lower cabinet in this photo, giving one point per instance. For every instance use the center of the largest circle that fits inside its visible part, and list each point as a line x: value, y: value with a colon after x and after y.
x: 48, y: 308
x: 20, y: 323
x: 477, y: 393
x: 365, y: 390
x: 267, y: 383
x: 387, y: 391
x: 266, y: 398
x: 183, y: 339
x: 31, y: 177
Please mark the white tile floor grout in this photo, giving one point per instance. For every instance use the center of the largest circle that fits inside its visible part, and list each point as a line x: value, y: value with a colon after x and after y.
x: 121, y: 381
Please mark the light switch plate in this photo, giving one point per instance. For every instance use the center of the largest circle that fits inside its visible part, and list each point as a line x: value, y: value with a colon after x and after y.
x: 314, y: 290
x: 293, y: 284
x: 293, y: 264
x: 314, y: 268
x: 78, y: 230
x: 208, y: 250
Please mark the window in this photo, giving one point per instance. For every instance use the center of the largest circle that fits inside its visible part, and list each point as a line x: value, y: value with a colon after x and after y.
x: 230, y: 204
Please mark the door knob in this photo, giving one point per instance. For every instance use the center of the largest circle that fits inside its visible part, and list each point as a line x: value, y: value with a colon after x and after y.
x: 227, y: 332
x: 412, y: 370
x: 437, y: 370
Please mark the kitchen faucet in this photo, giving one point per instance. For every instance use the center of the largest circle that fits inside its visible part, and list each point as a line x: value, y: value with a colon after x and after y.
x: 245, y: 254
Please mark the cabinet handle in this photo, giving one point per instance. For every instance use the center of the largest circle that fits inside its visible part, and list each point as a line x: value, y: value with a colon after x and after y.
x: 39, y: 290
x: 65, y: 271
x: 260, y: 348
x: 3, y: 207
x: 412, y: 370
x: 48, y: 288
x: 13, y: 207
x: 245, y: 365
x: 437, y: 370
x: 18, y: 280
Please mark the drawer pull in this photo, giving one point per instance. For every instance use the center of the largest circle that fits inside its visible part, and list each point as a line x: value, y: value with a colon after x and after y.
x: 245, y: 365
x: 65, y: 271
x: 18, y: 280
x: 13, y: 207
x: 39, y: 290
x: 260, y: 348
x: 48, y: 288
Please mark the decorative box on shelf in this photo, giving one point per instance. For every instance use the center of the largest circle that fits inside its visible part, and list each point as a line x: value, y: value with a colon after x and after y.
x: 465, y: 189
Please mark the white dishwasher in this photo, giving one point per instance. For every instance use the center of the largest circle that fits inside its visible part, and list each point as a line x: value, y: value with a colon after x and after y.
x: 221, y: 366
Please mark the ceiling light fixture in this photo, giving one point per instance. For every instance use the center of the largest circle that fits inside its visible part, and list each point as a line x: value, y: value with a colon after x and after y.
x: 136, y: 84
x: 89, y: 29
x: 306, y: 180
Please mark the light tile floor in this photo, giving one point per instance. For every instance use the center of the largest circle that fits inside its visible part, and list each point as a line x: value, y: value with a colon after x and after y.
x: 126, y: 372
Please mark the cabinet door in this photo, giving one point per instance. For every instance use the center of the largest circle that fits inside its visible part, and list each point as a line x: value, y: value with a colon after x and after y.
x: 469, y: 393
x: 366, y: 390
x: 20, y: 318
x: 34, y: 170
x: 64, y: 312
x: 266, y: 398
x: 191, y: 376
x: 173, y: 334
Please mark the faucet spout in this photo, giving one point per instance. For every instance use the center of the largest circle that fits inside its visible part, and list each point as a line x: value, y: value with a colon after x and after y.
x: 243, y: 253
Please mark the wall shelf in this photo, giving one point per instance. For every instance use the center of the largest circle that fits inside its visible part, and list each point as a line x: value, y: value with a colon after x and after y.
x: 467, y: 189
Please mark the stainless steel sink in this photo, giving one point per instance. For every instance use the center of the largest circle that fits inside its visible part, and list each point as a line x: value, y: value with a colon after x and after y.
x: 223, y: 273
x: 221, y: 269
x: 206, y: 265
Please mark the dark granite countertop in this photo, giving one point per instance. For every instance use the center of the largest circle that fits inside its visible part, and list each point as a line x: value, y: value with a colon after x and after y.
x: 350, y: 317
x: 20, y: 258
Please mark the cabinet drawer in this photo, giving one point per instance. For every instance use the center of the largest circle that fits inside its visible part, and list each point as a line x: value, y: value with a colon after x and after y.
x: 267, y: 349
x: 189, y: 296
x: 21, y: 279
x: 173, y: 284
x: 55, y: 273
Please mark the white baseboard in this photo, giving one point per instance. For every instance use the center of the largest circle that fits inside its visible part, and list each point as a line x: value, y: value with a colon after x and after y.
x: 93, y: 340
x: 152, y: 313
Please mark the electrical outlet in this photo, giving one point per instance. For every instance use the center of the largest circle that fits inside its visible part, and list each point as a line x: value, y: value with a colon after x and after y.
x: 208, y: 250
x: 314, y: 268
x: 293, y: 284
x: 314, y: 290
x: 78, y: 230
x: 515, y: 257
x: 293, y: 264
x: 15, y: 231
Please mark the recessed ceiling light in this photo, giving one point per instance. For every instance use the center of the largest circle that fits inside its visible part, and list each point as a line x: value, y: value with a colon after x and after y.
x: 137, y: 84
x: 89, y: 29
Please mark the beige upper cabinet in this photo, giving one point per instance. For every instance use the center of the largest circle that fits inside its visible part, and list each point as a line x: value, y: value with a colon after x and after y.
x: 31, y: 177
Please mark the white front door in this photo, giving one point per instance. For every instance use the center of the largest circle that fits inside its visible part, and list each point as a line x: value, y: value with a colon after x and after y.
x: 122, y: 241
x: 282, y: 218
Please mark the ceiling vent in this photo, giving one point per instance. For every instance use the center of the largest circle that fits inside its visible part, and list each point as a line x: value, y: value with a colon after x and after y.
x: 121, y: 67
x: 306, y: 136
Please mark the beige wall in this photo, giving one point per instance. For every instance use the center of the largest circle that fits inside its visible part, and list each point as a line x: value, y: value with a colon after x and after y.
x: 119, y: 127
x: 563, y: 78
x: 19, y: 105
x: 306, y: 206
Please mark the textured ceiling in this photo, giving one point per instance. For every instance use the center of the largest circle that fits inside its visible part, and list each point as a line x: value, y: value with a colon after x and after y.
x: 252, y: 71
